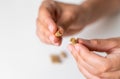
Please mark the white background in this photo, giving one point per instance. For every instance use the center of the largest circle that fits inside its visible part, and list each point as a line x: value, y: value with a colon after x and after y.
x: 23, y: 56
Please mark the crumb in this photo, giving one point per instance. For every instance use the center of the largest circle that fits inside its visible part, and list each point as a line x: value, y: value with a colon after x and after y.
x: 63, y: 54
x: 73, y: 40
x: 55, y: 59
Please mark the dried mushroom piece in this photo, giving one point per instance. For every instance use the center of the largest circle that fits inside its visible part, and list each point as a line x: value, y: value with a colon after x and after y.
x: 73, y: 41
x: 63, y: 55
x: 58, y: 58
x: 55, y: 59
x: 58, y: 34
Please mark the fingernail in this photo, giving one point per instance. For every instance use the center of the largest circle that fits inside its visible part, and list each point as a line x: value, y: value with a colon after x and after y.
x: 70, y: 47
x: 77, y: 47
x: 51, y: 39
x: 50, y: 27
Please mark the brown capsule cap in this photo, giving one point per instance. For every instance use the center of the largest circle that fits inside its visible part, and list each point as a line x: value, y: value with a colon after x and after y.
x: 63, y: 54
x: 73, y: 41
x: 58, y: 34
x: 55, y: 59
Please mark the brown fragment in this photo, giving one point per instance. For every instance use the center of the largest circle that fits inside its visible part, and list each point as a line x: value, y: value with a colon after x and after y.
x: 63, y: 54
x: 58, y: 34
x: 73, y: 40
x: 55, y: 59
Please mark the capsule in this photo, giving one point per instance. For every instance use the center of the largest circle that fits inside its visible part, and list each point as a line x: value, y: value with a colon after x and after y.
x: 58, y: 34
x: 55, y: 59
x: 73, y: 40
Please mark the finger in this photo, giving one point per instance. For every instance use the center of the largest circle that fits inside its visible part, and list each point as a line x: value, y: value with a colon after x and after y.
x: 49, y: 39
x: 90, y: 68
x: 45, y: 35
x: 102, y: 45
x: 92, y: 59
x: 71, y: 49
x: 42, y: 28
x: 111, y: 75
x: 86, y: 73
x: 81, y: 64
x: 46, y: 40
x: 42, y: 39
x: 46, y: 16
x: 55, y: 40
x: 114, y: 58
x: 41, y: 32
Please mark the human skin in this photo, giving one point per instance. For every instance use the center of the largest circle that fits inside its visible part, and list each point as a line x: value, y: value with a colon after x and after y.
x: 94, y: 66
x: 70, y: 19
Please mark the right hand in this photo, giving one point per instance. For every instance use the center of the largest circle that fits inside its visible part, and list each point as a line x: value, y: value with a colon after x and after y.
x: 94, y: 66
x: 54, y: 16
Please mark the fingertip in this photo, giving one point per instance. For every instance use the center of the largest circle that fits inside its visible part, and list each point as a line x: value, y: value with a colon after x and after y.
x: 58, y: 43
x: 81, y: 48
x: 70, y: 47
x: 55, y: 41
x: 77, y: 47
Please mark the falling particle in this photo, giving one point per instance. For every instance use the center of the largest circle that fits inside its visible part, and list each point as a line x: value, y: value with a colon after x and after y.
x: 63, y: 54
x: 55, y: 58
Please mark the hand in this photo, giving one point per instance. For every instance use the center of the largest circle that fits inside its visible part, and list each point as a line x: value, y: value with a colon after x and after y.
x: 55, y: 16
x: 94, y: 66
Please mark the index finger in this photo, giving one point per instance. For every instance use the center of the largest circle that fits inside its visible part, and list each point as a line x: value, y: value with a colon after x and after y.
x: 46, y: 17
x: 90, y: 57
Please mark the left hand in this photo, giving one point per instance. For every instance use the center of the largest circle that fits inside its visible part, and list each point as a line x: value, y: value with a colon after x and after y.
x: 53, y: 16
x: 94, y: 66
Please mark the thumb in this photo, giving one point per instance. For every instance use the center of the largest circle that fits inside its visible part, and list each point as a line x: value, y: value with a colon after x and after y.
x: 102, y: 45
